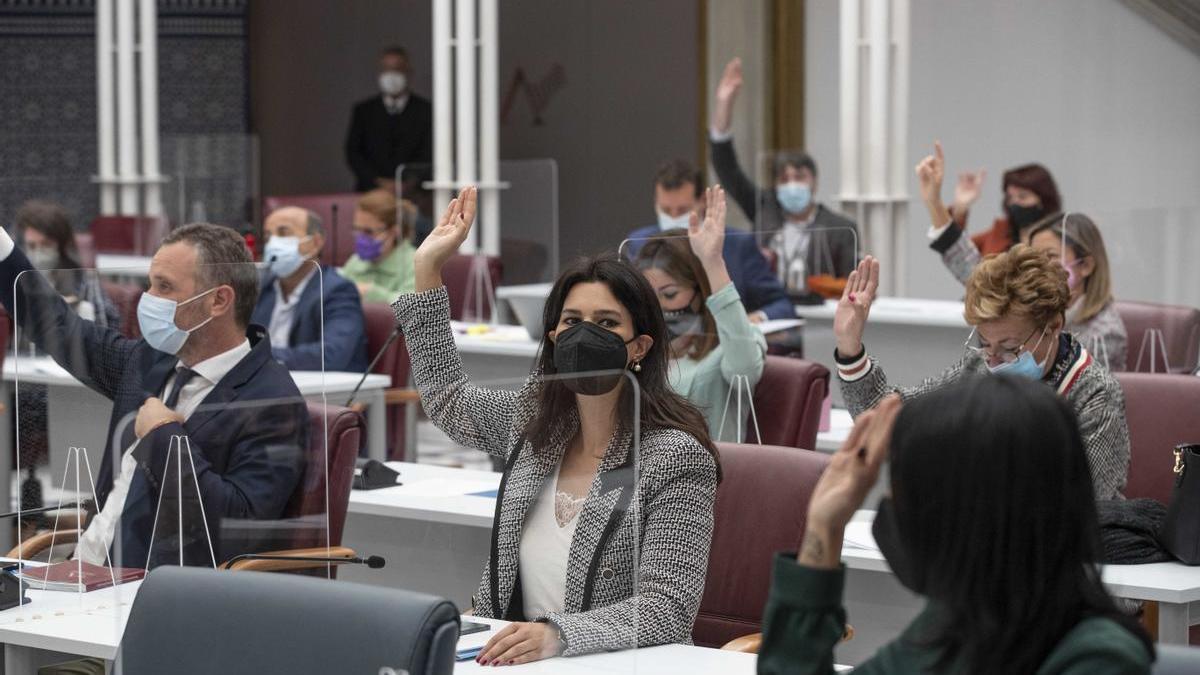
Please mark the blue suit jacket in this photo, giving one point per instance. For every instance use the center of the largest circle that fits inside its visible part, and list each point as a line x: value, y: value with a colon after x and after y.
x: 249, y: 438
x: 345, y: 336
x: 759, y: 288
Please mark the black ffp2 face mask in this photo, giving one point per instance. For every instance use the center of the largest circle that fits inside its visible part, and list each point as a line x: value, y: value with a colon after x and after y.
x: 1022, y: 216
x: 588, y: 348
x: 887, y: 538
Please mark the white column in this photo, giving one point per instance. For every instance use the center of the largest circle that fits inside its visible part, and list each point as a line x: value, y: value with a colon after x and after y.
x: 443, y: 105
x: 874, y: 126
x: 489, y: 124
x: 127, y: 168
x: 464, y: 110
x: 105, y: 125
x: 148, y: 62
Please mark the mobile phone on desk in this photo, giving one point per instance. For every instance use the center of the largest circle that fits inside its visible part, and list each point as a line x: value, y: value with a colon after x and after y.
x: 467, y: 654
x: 469, y: 627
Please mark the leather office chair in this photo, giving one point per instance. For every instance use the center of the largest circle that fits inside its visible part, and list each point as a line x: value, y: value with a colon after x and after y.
x: 135, y: 235
x: 761, y: 508
x: 1180, y: 328
x: 125, y: 297
x: 193, y: 621
x: 1161, y: 413
x: 460, y: 287
x: 339, y: 236
x: 787, y: 402
x: 308, y: 500
x: 380, y: 322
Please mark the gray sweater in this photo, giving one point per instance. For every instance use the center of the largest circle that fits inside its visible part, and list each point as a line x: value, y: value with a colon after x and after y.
x: 1091, y: 390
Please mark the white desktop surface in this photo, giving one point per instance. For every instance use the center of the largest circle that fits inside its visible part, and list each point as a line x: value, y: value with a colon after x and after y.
x: 909, y: 311
x: 433, y: 494
x: 122, y: 264
x: 88, y: 624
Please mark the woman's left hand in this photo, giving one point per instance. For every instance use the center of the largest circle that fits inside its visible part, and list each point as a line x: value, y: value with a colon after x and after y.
x: 707, y: 237
x: 520, y: 642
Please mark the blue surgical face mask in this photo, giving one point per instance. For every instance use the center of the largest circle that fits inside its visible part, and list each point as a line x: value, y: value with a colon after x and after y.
x: 793, y: 196
x: 156, y: 318
x: 283, y: 255
x: 666, y: 222
x: 1025, y: 365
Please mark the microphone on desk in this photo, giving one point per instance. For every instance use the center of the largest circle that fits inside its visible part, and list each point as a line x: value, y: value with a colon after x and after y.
x: 382, y: 350
x: 373, y: 561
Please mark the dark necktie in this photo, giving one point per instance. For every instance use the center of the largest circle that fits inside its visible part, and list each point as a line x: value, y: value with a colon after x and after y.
x: 182, y: 377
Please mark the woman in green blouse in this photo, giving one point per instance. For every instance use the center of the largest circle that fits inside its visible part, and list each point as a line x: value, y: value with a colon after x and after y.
x: 990, y: 517
x: 382, y: 264
x: 713, y: 342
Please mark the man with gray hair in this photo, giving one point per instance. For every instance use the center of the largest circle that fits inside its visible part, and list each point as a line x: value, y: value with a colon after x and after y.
x: 313, y: 314
x: 200, y: 370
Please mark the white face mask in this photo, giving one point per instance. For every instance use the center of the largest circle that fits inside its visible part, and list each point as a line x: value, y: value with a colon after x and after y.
x: 392, y: 83
x: 156, y: 318
x: 283, y: 255
x: 666, y: 222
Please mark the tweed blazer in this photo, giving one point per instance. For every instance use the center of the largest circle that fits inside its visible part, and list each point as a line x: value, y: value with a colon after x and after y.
x: 638, y: 560
x: 1089, y: 388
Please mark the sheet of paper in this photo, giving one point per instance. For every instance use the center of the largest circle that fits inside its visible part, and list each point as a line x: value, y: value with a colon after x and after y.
x: 858, y: 535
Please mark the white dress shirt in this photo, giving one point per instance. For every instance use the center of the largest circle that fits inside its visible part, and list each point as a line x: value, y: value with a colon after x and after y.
x: 395, y: 104
x: 283, y: 315
x: 97, y: 539
x: 545, y: 551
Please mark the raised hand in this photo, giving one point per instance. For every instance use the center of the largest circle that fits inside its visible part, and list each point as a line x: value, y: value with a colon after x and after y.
x: 727, y: 90
x: 967, y: 190
x: 444, y: 240
x: 850, y: 317
x: 930, y: 172
x: 707, y: 237
x: 851, y: 473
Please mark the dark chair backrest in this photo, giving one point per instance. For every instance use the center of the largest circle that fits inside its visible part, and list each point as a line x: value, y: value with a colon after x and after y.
x: 787, y: 402
x: 339, y: 236
x: 1180, y: 327
x: 125, y: 297
x: 1161, y: 411
x: 137, y: 235
x: 1176, y: 660
x: 460, y: 286
x: 380, y: 322
x: 762, y: 504
x: 193, y: 621
x: 335, y: 434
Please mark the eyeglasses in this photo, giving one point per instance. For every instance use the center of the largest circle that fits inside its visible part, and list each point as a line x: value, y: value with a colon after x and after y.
x: 1003, y: 355
x: 374, y: 234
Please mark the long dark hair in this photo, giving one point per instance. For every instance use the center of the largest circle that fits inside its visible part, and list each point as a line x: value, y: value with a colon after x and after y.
x: 661, y: 407
x: 53, y: 222
x: 994, y: 507
x: 670, y: 252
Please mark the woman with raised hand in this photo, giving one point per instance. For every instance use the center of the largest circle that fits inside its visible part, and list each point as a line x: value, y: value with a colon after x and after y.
x: 989, y: 515
x: 1016, y: 306
x: 1030, y: 197
x: 714, y: 347
x: 579, y: 493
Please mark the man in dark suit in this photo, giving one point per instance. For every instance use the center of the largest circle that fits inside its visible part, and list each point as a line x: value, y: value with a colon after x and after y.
x: 297, y: 291
x: 677, y: 190
x: 201, y: 371
x: 390, y: 129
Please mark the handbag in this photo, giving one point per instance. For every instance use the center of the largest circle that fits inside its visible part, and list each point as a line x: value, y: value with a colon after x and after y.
x: 1180, y: 532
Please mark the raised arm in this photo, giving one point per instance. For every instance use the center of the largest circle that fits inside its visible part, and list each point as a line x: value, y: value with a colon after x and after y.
x: 741, y: 188
x: 471, y: 415
x: 804, y: 618
x: 743, y: 347
x: 959, y: 253
x: 94, y: 355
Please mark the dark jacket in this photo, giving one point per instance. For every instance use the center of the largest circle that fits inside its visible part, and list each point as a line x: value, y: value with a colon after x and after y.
x: 378, y: 141
x: 748, y: 270
x: 804, y: 619
x: 344, y: 334
x: 248, y: 438
x: 836, y: 240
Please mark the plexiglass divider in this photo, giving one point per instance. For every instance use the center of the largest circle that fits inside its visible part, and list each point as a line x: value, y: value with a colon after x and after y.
x: 128, y: 460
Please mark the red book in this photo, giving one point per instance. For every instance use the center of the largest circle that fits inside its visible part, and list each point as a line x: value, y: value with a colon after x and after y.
x: 65, y: 576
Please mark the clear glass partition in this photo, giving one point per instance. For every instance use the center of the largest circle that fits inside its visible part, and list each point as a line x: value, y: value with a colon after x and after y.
x: 169, y: 435
x: 212, y: 178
